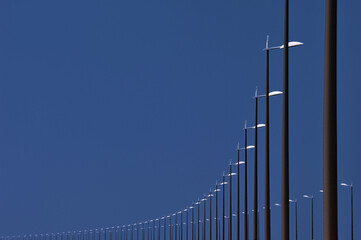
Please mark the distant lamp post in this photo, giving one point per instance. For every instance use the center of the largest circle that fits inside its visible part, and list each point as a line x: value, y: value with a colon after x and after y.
x: 296, y: 225
x: 310, y: 197
x: 351, y: 199
x: 230, y: 198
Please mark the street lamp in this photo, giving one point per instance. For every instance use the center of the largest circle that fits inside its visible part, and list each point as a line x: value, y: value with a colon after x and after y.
x: 246, y: 147
x: 210, y: 214
x: 216, y: 191
x: 230, y: 198
x: 223, y: 203
x: 310, y: 197
x: 351, y: 199
x: 255, y: 192
x: 296, y: 225
x: 238, y: 191
x: 267, y: 151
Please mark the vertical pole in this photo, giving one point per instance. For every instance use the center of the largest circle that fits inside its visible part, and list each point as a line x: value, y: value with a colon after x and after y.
x: 159, y: 229
x: 181, y: 226
x: 217, y: 212
x: 165, y: 228
x: 285, y: 136
x: 199, y: 205
x: 238, y: 193
x: 267, y: 157
x: 245, y: 185
x: 223, y: 202
x: 351, y: 212
x: 204, y: 218
x: 296, y: 220
x: 312, y: 217
x: 255, y: 199
x: 230, y: 201
x: 193, y: 222
x: 175, y: 226
x: 210, y: 215
x: 330, y: 227
x: 187, y: 224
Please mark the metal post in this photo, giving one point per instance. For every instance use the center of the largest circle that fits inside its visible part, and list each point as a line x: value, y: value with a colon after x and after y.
x: 238, y: 193
x: 204, y: 218
x: 255, y: 198
x: 267, y: 155
x: 285, y: 137
x: 210, y: 215
x: 312, y: 217
x: 217, y: 211
x: 330, y: 227
x: 245, y: 185
x: 223, y: 202
x: 351, y: 211
x: 230, y: 201
x: 296, y: 220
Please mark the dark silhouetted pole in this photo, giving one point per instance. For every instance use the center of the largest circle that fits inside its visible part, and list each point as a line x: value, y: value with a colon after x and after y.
x: 285, y: 137
x: 165, y: 228
x: 181, y: 226
x: 199, y: 205
x: 245, y: 185
x: 255, y: 198
x: 311, y: 197
x: 210, y: 215
x: 238, y: 195
x: 230, y: 200
x: 204, y: 217
x: 330, y: 226
x: 193, y: 222
x: 217, y: 229
x: 223, y: 202
x: 267, y: 217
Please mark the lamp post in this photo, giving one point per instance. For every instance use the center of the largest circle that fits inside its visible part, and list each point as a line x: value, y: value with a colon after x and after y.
x: 230, y: 198
x: 296, y: 225
x: 216, y: 191
x: 351, y: 199
x: 204, y: 200
x: 192, y: 221
x: 255, y: 198
x: 330, y: 226
x: 238, y: 192
x: 310, y: 197
x: 223, y: 203
x: 210, y: 214
x: 198, y: 203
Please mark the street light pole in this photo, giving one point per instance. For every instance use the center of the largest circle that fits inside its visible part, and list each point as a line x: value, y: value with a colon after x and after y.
x: 255, y: 192
x: 330, y: 227
x: 311, y: 197
x: 351, y: 199
x: 285, y: 136
x: 245, y: 185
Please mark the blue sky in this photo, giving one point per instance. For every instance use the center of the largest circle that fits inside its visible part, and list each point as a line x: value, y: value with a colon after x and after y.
x: 115, y: 112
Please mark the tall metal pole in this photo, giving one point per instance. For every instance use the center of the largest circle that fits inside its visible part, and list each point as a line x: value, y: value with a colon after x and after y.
x: 187, y: 224
x: 285, y: 137
x: 217, y: 211
x: 199, y: 205
x: 267, y: 217
x: 175, y: 225
x: 181, y: 226
x: 165, y: 228
x: 255, y: 198
x: 210, y: 215
x: 330, y: 226
x: 230, y: 201
x: 159, y: 229
x: 204, y: 217
x: 223, y: 202
x: 193, y: 222
x: 351, y: 211
x: 312, y: 216
x: 296, y: 219
x: 238, y: 194
x: 245, y: 185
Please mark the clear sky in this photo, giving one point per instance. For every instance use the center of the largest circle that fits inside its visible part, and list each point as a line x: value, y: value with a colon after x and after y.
x: 114, y: 112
